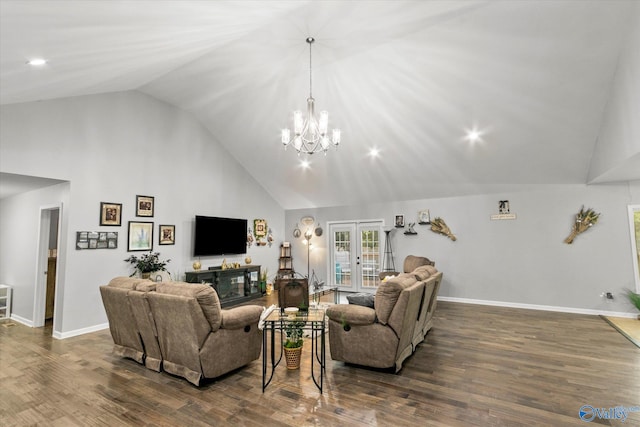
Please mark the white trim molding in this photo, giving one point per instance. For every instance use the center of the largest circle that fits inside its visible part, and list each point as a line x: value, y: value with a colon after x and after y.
x: 74, y: 333
x: 539, y: 307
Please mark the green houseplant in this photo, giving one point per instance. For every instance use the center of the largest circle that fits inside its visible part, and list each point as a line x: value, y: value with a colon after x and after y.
x: 293, y: 343
x: 147, y: 264
x: 635, y: 299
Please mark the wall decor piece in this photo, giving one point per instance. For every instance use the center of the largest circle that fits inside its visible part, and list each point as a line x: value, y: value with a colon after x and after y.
x: 410, y: 230
x: 249, y: 237
x: 96, y: 240
x: 439, y: 226
x: 260, y: 231
x: 167, y: 234
x: 423, y: 217
x: 399, y: 221
x: 270, y: 238
x: 144, y: 206
x: 110, y: 214
x: 296, y: 232
x: 503, y: 211
x: 140, y: 236
x: 585, y: 219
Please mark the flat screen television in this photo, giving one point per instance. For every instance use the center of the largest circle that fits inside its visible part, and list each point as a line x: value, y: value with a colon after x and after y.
x: 219, y: 236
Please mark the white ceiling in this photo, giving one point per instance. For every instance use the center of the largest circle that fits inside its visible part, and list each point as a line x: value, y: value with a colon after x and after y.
x: 407, y: 77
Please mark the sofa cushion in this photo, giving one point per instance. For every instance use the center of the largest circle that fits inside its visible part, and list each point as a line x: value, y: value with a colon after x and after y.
x: 422, y: 272
x: 204, y: 294
x: 146, y: 286
x: 411, y: 262
x: 127, y: 282
x: 363, y: 299
x: 388, y: 293
x: 431, y: 269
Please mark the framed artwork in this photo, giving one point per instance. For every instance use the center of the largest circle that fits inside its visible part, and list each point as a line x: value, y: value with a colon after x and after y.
x: 144, y: 206
x: 140, y: 236
x: 96, y: 240
x: 260, y: 228
x: 167, y: 235
x: 399, y: 221
x: 423, y: 217
x: 110, y: 214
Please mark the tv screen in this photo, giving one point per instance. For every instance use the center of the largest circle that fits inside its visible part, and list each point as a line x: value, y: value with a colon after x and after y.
x: 219, y: 236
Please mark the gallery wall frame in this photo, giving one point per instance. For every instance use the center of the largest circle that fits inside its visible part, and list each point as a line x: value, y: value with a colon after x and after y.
x: 96, y: 240
x: 140, y: 236
x: 110, y: 214
x: 166, y: 234
x: 144, y: 206
x: 424, y: 217
x: 399, y: 221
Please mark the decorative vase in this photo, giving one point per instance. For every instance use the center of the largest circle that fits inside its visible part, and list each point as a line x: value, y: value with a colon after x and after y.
x: 270, y: 290
x: 247, y: 260
x: 293, y: 356
x: 196, y: 265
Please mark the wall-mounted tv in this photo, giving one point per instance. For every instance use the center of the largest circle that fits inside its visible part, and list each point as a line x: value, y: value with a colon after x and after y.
x: 219, y: 236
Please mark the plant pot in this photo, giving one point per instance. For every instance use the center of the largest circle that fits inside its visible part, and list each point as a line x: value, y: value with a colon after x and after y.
x: 292, y: 356
x: 145, y: 275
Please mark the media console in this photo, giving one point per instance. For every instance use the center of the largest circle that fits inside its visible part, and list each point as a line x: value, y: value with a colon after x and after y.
x: 233, y: 285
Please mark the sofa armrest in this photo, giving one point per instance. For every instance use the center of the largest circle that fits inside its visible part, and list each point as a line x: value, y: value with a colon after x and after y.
x: 239, y: 317
x: 351, y: 314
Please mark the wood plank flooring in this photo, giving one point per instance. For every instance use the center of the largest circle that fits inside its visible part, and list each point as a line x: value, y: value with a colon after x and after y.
x: 479, y: 366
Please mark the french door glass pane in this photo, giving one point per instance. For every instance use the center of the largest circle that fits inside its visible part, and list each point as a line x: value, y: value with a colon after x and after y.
x: 342, y: 257
x: 370, y: 259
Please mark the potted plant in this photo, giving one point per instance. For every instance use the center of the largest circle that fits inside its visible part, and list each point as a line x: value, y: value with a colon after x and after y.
x: 147, y: 264
x: 635, y: 299
x: 293, y: 343
x: 263, y: 281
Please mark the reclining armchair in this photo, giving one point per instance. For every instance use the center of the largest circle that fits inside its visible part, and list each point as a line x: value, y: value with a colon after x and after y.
x: 198, y: 339
x: 379, y: 337
x: 130, y: 323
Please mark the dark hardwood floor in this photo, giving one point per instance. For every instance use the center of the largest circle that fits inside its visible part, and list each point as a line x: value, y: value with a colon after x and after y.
x: 479, y: 366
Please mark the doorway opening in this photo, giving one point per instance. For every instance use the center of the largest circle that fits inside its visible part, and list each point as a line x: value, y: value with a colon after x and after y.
x: 47, y: 266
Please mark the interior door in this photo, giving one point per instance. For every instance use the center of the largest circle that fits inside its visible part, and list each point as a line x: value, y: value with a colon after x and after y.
x: 355, y: 255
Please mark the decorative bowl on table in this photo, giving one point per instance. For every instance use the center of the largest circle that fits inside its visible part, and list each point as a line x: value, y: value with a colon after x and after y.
x: 291, y: 312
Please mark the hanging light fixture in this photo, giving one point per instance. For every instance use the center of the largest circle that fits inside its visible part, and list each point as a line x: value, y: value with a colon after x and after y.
x: 310, y: 135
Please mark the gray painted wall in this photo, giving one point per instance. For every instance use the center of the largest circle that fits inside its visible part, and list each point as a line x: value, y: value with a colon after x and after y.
x: 111, y: 148
x: 522, y: 261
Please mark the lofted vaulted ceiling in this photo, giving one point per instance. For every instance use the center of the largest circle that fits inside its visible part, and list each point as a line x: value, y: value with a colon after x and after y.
x: 406, y: 77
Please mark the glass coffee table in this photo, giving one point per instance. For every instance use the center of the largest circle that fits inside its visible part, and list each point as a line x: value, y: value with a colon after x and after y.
x: 313, y: 321
x: 316, y: 294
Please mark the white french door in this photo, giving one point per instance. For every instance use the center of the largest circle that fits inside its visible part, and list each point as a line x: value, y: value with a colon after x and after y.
x: 355, y: 254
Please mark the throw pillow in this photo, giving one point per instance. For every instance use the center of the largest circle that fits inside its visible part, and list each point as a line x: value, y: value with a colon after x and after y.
x: 365, y: 300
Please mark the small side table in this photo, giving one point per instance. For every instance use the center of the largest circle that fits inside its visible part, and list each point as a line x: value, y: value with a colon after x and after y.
x: 5, y: 301
x: 314, y: 321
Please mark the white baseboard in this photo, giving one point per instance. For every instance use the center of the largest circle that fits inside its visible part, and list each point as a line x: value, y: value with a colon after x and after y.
x: 22, y: 320
x: 539, y: 307
x: 76, y: 332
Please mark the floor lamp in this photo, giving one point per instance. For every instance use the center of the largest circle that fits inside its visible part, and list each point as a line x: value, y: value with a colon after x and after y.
x: 307, y: 236
x: 387, y: 261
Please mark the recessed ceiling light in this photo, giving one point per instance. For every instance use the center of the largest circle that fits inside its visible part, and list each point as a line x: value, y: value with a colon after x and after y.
x: 37, y: 62
x: 305, y: 164
x: 473, y: 135
x: 374, y: 152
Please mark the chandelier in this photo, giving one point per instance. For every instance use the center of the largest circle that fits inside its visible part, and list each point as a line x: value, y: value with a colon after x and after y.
x: 310, y: 134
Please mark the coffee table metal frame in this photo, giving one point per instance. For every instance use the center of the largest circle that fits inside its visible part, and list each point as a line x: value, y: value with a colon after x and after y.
x: 314, y: 322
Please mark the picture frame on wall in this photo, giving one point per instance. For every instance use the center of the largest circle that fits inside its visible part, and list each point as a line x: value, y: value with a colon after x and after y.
x: 166, y: 234
x: 144, y: 206
x: 423, y: 217
x: 399, y: 221
x: 110, y: 214
x: 140, y: 237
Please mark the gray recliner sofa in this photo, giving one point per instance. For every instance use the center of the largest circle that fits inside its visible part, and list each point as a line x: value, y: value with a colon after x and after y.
x: 385, y: 335
x: 130, y: 323
x: 198, y: 339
